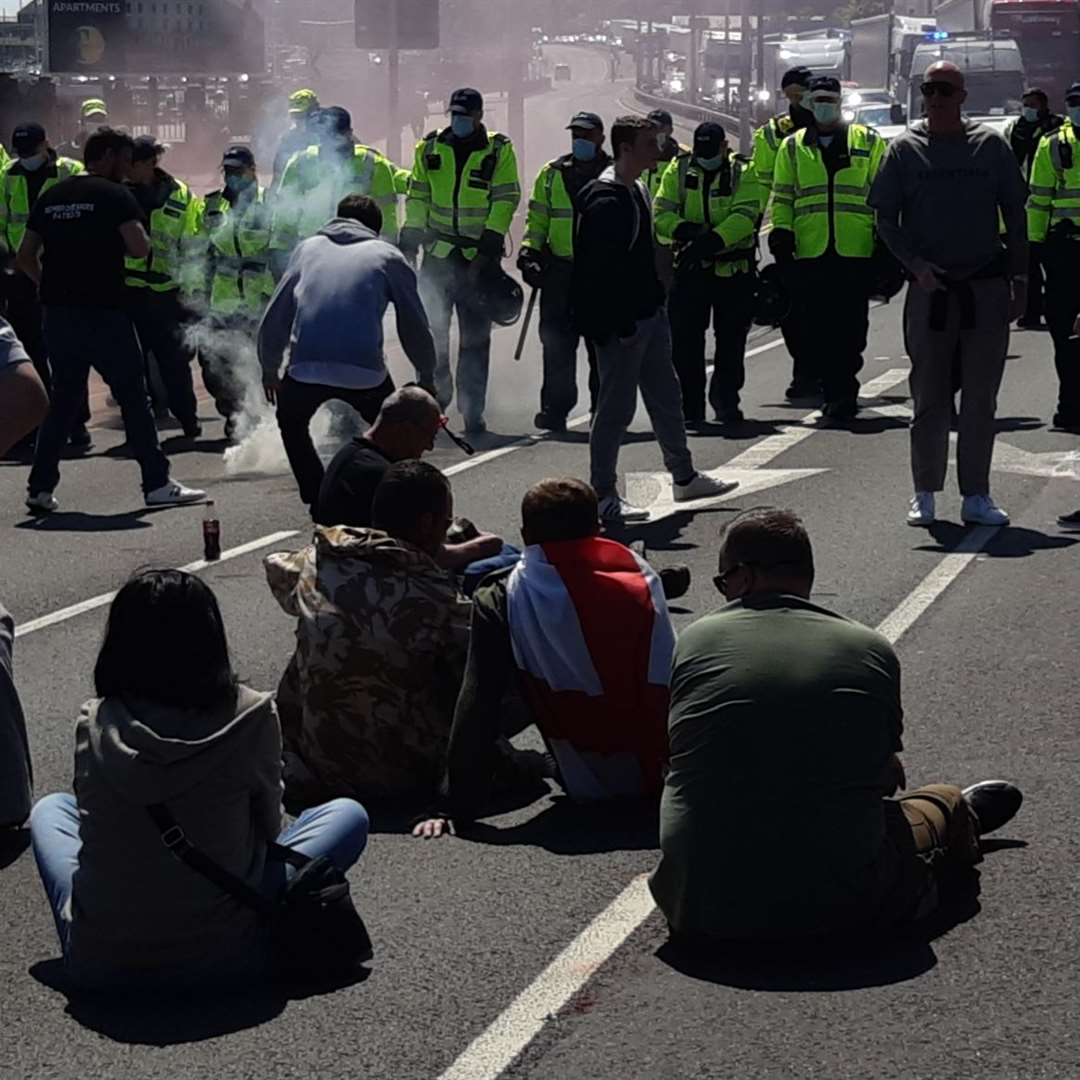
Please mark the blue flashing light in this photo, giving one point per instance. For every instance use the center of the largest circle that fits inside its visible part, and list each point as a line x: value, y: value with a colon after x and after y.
x: 938, y: 35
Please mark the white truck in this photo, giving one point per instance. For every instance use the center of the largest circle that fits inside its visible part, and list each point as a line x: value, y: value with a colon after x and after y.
x: 881, y: 50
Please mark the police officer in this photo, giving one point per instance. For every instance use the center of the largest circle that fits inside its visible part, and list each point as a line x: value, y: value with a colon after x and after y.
x: 161, y: 286
x: 1024, y: 133
x: 35, y: 170
x: 237, y: 281
x: 670, y: 149
x: 318, y: 178
x: 461, y: 200
x: 824, y: 229
x: 546, y: 263
x: 1053, y: 215
x: 92, y: 115
x: 303, y: 113
x: 795, y: 86
x: 708, y: 204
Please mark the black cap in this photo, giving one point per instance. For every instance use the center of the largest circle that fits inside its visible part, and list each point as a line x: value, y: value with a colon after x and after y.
x: 147, y: 148
x: 796, y: 76
x: 26, y: 138
x: 586, y: 121
x: 334, y: 120
x: 239, y: 156
x: 707, y: 138
x: 825, y: 82
x: 466, y: 100
x: 1073, y: 91
x: 661, y: 117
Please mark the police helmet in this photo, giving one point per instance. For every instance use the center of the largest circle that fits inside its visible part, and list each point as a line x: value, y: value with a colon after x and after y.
x: 499, y: 296
x: 772, y: 302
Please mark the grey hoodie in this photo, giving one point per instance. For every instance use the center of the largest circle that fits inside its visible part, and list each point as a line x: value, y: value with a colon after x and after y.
x: 135, y: 909
x: 328, y: 308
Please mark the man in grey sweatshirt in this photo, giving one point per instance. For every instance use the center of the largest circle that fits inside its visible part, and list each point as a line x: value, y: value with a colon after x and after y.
x: 940, y: 194
x: 327, y: 314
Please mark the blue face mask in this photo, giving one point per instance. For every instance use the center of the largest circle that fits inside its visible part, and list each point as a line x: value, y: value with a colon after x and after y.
x: 462, y: 126
x: 826, y: 112
x: 236, y: 183
x: 583, y: 150
x: 1074, y: 115
x: 1030, y: 114
x: 711, y: 164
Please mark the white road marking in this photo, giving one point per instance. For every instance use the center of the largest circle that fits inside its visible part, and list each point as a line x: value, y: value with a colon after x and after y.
x: 495, y: 1049
x: 491, y: 1052
x: 106, y: 598
x: 761, y: 453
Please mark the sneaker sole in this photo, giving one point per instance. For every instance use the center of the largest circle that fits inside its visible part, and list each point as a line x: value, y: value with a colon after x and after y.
x: 724, y: 489
x: 176, y: 502
x: 989, y: 524
x: 922, y: 523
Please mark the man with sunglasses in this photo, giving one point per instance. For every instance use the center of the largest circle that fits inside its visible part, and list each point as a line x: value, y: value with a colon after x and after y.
x: 792, y: 712
x: 1053, y: 216
x: 823, y: 231
x: 945, y: 185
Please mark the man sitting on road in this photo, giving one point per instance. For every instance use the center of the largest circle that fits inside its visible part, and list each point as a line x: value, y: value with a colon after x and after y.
x: 581, y: 627
x: 327, y: 314
x: 404, y: 430
x: 381, y: 636
x: 776, y: 820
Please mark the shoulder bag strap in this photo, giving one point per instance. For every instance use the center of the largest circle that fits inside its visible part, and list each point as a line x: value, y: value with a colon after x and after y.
x: 172, y: 836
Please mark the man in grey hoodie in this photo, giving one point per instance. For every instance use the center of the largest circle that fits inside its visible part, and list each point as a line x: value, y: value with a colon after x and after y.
x: 327, y: 313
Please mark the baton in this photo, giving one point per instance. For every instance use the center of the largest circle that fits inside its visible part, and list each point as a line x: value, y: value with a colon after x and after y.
x: 525, y: 324
x: 456, y: 439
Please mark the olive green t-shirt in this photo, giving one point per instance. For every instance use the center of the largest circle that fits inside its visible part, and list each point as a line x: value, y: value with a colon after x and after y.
x: 783, y: 719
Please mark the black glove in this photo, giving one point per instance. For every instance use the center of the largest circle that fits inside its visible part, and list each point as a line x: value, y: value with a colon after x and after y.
x: 531, y: 265
x: 491, y: 244
x: 782, y: 244
x: 409, y: 242
x: 687, y: 231
x: 706, y: 246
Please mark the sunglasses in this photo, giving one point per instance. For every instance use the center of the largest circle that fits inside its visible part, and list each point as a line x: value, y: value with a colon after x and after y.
x: 721, y: 580
x: 942, y: 89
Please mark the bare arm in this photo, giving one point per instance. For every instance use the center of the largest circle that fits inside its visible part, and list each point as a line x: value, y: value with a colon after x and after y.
x: 23, y: 403
x: 28, y: 258
x: 136, y: 241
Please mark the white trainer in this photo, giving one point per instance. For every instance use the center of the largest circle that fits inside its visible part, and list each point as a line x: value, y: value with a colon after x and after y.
x: 174, y: 494
x: 615, y: 508
x: 702, y: 487
x: 921, y: 510
x: 981, y: 510
x: 44, y: 502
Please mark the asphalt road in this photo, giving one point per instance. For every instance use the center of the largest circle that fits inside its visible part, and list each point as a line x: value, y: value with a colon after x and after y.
x: 466, y: 928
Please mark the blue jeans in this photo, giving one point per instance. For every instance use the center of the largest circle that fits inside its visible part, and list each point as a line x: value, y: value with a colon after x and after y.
x: 337, y: 829
x: 81, y: 338
x: 475, y: 572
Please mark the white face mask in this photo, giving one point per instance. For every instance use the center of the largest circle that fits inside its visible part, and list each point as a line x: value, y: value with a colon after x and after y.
x: 32, y: 164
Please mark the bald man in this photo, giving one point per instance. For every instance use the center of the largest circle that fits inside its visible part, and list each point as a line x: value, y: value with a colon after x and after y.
x: 938, y: 196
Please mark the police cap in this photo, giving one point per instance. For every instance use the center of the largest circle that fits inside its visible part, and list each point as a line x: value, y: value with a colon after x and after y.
x: 585, y: 121
x: 26, y: 138
x: 796, y: 76
x: 465, y: 101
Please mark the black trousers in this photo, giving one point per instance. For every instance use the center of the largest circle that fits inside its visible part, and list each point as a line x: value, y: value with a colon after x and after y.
x: 560, y: 340
x: 297, y: 403
x: 796, y: 332
x: 159, y: 322
x: 1035, y: 307
x: 27, y: 319
x: 833, y: 309
x: 699, y: 298
x: 1061, y: 258
x: 227, y: 358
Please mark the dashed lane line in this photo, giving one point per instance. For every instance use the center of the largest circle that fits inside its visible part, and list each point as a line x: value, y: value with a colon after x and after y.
x: 106, y: 598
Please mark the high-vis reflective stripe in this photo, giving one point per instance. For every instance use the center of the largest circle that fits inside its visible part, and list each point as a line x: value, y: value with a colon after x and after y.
x: 175, y: 259
x: 313, y: 184
x: 731, y: 210
x: 15, y: 198
x: 455, y: 207
x: 237, y: 254
x: 827, y: 211
x: 767, y: 142
x: 1055, y: 185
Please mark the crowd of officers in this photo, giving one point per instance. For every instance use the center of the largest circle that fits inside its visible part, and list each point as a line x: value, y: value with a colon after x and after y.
x: 215, y: 259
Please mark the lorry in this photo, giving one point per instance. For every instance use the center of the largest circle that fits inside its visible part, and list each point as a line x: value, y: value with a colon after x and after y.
x: 881, y: 50
x: 993, y: 73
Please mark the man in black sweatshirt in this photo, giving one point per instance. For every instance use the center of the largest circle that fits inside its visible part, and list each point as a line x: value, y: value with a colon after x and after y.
x: 618, y: 303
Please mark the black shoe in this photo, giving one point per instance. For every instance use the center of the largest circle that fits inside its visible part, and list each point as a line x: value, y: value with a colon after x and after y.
x: 192, y: 430
x: 1070, y: 521
x: 230, y: 428
x: 80, y: 439
x: 547, y: 422
x: 475, y: 427
x: 730, y: 415
x: 841, y: 411
x: 1030, y: 324
x: 799, y: 390
x: 675, y: 581
x: 1066, y: 421
x: 995, y: 802
x: 695, y: 423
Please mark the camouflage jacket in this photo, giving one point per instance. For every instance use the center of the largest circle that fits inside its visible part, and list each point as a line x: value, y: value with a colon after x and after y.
x: 381, y: 640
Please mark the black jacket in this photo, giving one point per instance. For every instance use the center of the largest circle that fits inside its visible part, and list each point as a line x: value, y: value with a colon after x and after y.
x: 615, y: 283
